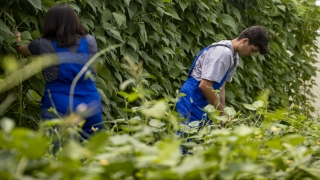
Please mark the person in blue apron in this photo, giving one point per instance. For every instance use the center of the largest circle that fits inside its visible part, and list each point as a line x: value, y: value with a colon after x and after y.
x: 67, y: 39
x: 213, y: 67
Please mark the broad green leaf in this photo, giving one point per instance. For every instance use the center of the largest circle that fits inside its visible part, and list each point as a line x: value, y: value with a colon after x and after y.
x: 258, y: 104
x: 75, y: 7
x: 207, y: 27
x: 194, y: 124
x: 132, y: 97
x: 172, y: 12
x: 293, y: 139
x: 249, y: 106
x: 149, y: 60
x: 236, y: 12
x: 183, y: 4
x: 209, y: 108
x: 106, y: 15
x: 25, y: 35
x: 243, y: 130
x: 127, y: 2
x: 7, y: 125
x: 25, y: 140
x: 191, y: 17
x: 5, y: 28
x: 158, y: 110
x: 35, y: 34
x: 230, y: 111
x: 35, y: 3
x: 142, y: 33
x: 123, y: 94
x: 156, y: 123
x: 282, y: 7
x: 116, y: 35
x: 132, y: 55
x: 168, y: 51
x: 132, y: 41
x: 119, y: 18
x: 103, y: 96
x: 228, y: 20
x: 221, y: 118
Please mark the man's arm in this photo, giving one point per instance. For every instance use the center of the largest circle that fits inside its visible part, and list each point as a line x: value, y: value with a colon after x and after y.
x: 207, y: 90
x: 223, y: 94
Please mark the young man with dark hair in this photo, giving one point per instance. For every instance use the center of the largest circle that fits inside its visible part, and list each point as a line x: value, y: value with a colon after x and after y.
x: 213, y: 67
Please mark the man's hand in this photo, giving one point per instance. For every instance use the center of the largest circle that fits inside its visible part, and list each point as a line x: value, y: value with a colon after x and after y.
x: 18, y: 34
x: 223, y: 124
x: 22, y: 49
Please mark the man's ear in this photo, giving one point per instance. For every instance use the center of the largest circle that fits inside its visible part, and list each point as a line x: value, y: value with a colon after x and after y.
x: 244, y: 40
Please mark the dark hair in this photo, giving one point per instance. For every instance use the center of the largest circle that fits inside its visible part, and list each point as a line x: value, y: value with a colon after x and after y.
x: 62, y: 25
x: 257, y: 36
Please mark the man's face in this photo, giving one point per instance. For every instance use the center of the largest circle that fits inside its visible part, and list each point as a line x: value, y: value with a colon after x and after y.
x: 247, y: 50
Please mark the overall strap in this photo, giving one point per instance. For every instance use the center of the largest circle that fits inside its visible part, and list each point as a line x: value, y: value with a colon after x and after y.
x: 197, y: 57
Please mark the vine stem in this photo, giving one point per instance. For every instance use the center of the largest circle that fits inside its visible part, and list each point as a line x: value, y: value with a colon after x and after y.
x: 84, y: 69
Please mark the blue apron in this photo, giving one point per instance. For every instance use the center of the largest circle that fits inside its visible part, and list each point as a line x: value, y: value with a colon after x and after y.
x: 190, y: 106
x: 85, y: 91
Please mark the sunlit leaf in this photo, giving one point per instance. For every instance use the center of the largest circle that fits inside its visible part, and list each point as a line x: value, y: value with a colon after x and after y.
x: 156, y: 123
x: 249, y: 106
x: 35, y: 3
x: 7, y: 125
x: 157, y: 110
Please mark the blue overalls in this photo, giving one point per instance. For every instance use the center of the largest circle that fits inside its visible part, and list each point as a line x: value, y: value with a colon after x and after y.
x: 190, y: 105
x: 85, y: 91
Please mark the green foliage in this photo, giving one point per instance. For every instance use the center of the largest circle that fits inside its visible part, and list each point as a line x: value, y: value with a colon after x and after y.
x: 145, y: 145
x: 166, y: 36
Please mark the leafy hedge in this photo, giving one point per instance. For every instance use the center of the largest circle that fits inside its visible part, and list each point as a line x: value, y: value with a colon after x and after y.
x: 166, y: 35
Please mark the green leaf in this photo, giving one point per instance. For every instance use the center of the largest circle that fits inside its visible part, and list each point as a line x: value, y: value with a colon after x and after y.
x: 35, y: 34
x: 149, y: 60
x: 282, y: 7
x: 120, y: 18
x: 190, y: 16
x: 168, y: 51
x: 293, y: 139
x: 142, y: 32
x: 230, y: 111
x: 103, y: 96
x: 25, y: 35
x: 243, y: 130
x: 35, y: 3
x: 183, y: 4
x: 132, y: 55
x: 132, y: 97
x: 249, y: 106
x: 209, y: 108
x: 228, y: 20
x: 5, y: 28
x: 132, y: 41
x: 7, y: 125
x: 194, y: 124
x: 156, y: 123
x: 158, y: 110
x: 127, y: 2
x: 236, y: 12
x: 172, y: 12
x: 106, y: 15
x: 116, y: 35
x: 258, y: 104
x: 123, y: 94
